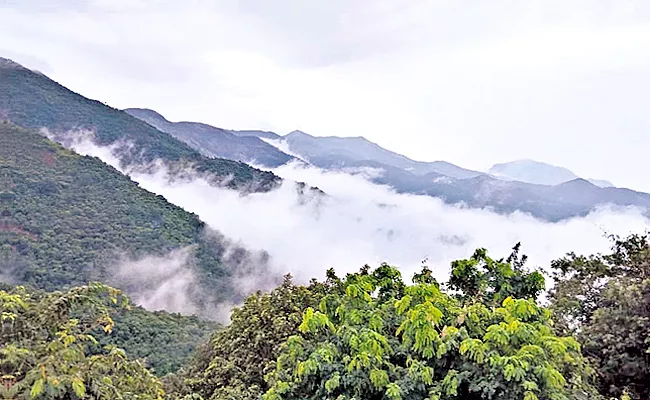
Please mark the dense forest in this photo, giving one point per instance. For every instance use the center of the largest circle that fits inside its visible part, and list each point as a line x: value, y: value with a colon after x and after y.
x: 483, y: 334
x: 67, y: 219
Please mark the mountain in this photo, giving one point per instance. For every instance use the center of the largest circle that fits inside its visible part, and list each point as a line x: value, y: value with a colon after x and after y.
x: 66, y: 219
x: 32, y: 100
x: 553, y: 202
x: 536, y: 172
x: 242, y: 146
x: 455, y: 185
x: 332, y: 151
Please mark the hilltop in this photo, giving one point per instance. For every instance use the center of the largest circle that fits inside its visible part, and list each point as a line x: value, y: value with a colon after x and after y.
x: 33, y: 100
x: 536, y: 172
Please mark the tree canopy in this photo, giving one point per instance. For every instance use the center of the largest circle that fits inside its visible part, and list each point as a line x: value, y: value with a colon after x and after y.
x: 604, y: 300
x: 45, y: 348
x: 381, y: 339
x: 370, y: 335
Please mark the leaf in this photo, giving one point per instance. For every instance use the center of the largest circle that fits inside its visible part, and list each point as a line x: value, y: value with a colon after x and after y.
x: 403, y: 304
x: 530, y: 396
x: 37, y: 388
x: 393, y: 391
x: 78, y: 387
x: 333, y: 383
x: 379, y: 378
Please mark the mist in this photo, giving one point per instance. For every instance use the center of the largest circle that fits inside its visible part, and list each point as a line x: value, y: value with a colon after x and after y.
x: 158, y: 282
x: 361, y: 223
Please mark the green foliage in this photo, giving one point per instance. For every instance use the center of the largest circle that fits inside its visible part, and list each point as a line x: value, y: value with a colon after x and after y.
x: 66, y: 218
x: 605, y: 301
x: 377, y: 338
x: 45, y: 349
x: 165, y: 342
x: 232, y: 365
x: 480, y: 278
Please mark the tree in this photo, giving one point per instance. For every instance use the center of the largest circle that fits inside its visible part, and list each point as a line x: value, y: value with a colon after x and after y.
x: 232, y: 365
x: 378, y: 338
x: 492, y: 281
x: 605, y: 301
x: 45, y: 339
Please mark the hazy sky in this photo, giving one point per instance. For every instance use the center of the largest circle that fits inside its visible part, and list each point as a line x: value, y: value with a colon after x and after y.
x: 471, y: 82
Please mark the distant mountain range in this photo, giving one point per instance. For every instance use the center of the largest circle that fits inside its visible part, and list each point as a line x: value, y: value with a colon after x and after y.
x: 545, y: 191
x: 30, y: 99
x: 337, y: 152
x: 333, y: 152
x: 216, y: 142
x: 539, y: 173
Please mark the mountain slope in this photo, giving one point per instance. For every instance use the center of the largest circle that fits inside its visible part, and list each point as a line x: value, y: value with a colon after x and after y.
x: 67, y: 219
x: 258, y: 134
x: 166, y: 341
x: 536, y: 172
x: 32, y: 100
x: 216, y: 142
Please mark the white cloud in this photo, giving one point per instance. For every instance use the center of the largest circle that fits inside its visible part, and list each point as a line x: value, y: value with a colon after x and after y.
x: 360, y: 222
x: 158, y: 282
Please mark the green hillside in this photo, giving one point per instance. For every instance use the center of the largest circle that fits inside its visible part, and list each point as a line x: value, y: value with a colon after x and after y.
x: 66, y: 218
x: 32, y: 100
x: 64, y: 214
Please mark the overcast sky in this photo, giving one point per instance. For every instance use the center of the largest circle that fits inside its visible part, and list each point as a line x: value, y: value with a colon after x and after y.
x: 470, y: 82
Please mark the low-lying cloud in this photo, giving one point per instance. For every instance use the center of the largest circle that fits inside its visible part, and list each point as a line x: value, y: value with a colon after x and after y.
x: 364, y: 223
x: 164, y: 282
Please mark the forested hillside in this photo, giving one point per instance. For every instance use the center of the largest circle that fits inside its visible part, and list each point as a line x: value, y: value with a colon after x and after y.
x: 164, y: 341
x: 67, y: 218
x: 32, y: 100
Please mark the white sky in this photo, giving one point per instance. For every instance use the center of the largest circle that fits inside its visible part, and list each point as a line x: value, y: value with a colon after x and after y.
x: 470, y: 82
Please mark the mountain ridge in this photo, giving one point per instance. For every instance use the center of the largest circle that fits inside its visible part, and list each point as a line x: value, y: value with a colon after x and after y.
x: 215, y: 142
x: 456, y: 185
x: 35, y: 101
